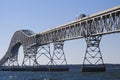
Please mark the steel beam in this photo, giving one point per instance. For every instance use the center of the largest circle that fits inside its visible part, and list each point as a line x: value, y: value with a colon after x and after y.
x: 106, y: 22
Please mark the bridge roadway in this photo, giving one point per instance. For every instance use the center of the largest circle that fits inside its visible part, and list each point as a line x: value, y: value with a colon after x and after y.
x: 105, y: 22
x: 102, y: 23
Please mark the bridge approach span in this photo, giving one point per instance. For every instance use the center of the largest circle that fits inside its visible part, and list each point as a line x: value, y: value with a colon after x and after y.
x: 102, y: 23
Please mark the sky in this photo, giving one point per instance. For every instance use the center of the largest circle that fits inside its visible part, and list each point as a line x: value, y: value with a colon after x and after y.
x: 41, y: 15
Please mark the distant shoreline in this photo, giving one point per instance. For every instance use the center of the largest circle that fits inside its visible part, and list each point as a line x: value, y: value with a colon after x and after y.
x: 69, y: 67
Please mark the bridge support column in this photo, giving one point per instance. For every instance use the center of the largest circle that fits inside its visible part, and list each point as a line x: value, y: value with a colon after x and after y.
x: 12, y: 61
x: 93, y: 61
x: 43, y: 55
x: 59, y: 61
x: 30, y: 56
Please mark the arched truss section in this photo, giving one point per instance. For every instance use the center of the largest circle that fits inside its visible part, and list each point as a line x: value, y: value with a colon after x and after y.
x: 26, y: 38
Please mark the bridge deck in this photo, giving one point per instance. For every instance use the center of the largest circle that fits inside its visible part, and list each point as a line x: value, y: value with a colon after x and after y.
x: 102, y: 23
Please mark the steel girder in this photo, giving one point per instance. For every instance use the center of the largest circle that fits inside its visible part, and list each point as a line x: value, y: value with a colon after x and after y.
x: 102, y: 23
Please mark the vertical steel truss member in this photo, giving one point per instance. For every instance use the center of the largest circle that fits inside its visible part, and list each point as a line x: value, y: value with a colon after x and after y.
x: 59, y: 61
x: 44, y: 52
x: 93, y: 61
x: 30, y: 56
x: 12, y: 61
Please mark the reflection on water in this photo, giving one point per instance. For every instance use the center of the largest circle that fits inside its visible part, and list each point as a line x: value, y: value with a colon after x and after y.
x: 71, y: 75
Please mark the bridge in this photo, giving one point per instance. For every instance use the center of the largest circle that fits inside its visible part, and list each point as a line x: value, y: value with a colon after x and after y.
x: 91, y: 28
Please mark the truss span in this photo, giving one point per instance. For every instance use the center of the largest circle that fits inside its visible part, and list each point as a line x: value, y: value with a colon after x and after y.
x: 102, y: 23
x: 22, y: 37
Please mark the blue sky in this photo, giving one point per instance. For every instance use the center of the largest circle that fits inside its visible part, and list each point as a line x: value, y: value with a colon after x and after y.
x: 41, y: 15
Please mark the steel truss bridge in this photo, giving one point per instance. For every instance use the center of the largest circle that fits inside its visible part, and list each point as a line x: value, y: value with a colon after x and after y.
x: 91, y: 28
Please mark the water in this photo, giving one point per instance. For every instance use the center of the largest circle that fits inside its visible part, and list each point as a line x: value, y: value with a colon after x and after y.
x: 71, y: 75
